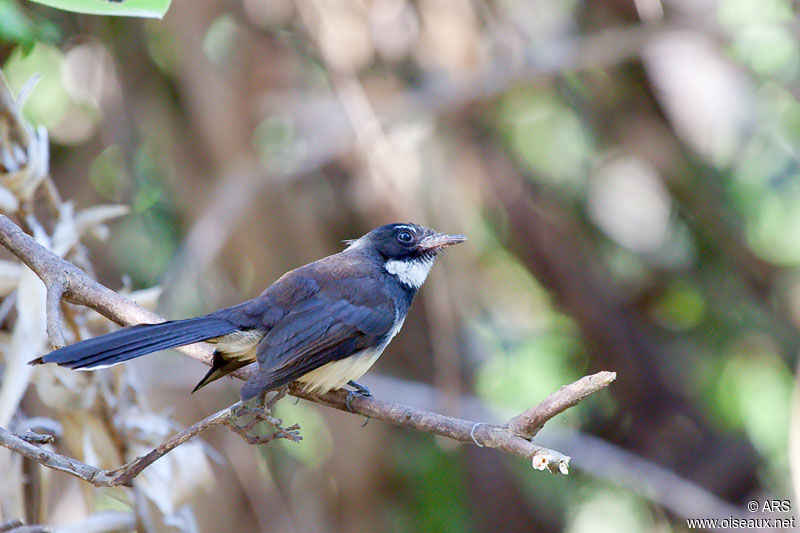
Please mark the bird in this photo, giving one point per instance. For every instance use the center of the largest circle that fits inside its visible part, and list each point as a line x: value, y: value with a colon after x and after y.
x: 322, y: 325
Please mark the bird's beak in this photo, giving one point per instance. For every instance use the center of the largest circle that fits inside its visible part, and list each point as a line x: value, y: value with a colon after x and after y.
x: 437, y: 241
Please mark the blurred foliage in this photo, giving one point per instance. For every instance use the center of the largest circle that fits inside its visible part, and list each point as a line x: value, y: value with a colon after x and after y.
x: 435, y: 493
x: 315, y: 448
x: 504, y: 381
x: 548, y: 137
x: 16, y: 26
x: 606, y: 509
x: 48, y: 105
x: 754, y: 394
x: 628, y: 174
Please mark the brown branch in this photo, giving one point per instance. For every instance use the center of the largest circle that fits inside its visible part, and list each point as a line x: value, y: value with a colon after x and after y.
x: 77, y: 287
x: 125, y: 474
x: 531, y: 421
x: 510, y: 437
x: 55, y: 332
x: 92, y: 474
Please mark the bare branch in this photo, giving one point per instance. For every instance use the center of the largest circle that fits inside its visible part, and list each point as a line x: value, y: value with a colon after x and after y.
x: 54, y: 330
x: 78, y: 288
x: 468, y: 431
x: 63, y: 277
x: 92, y: 474
x: 531, y: 421
x: 124, y: 475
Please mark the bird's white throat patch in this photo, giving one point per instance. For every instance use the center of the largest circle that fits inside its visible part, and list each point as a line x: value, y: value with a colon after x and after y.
x: 411, y: 272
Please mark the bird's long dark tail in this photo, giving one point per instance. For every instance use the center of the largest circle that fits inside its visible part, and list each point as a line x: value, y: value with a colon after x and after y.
x: 135, y: 341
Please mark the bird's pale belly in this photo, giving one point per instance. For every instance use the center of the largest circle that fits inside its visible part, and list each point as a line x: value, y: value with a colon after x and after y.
x: 336, y: 374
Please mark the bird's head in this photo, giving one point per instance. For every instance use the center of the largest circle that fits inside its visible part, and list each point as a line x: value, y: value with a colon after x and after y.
x: 408, y: 250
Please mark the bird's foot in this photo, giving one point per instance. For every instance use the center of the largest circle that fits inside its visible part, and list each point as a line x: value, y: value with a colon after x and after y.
x: 360, y: 390
x: 260, y: 410
x: 244, y: 420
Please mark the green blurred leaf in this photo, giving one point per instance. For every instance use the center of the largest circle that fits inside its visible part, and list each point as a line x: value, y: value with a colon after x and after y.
x: 49, y: 103
x: 14, y: 25
x: 754, y: 392
x: 121, y: 8
x: 220, y: 38
x: 163, y: 48
x: 773, y: 230
x: 547, y: 136
x: 23, y: 28
x: 770, y: 50
x: 527, y: 373
x: 317, y: 442
x: 144, y: 243
x: 273, y: 139
x: 437, y: 495
x: 607, y: 509
x: 680, y: 307
x: 746, y: 12
x: 108, y: 173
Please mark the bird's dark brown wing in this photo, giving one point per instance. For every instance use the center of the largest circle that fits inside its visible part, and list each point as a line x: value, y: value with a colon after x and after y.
x: 344, y: 317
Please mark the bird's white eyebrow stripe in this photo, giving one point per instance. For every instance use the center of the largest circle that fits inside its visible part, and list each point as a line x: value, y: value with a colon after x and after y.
x: 403, y: 226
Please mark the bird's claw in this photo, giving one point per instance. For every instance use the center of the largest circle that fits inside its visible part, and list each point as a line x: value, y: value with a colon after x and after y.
x: 360, y: 390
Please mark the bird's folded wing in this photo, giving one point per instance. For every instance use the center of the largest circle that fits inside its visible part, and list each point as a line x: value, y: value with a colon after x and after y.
x: 316, y: 332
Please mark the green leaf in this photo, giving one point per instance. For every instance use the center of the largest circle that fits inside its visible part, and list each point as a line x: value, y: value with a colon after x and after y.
x: 14, y: 25
x: 122, y: 8
x: 17, y: 25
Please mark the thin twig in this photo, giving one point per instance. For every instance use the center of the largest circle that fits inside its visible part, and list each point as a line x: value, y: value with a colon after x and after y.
x: 92, y: 474
x: 531, y: 421
x: 259, y: 415
x: 125, y: 474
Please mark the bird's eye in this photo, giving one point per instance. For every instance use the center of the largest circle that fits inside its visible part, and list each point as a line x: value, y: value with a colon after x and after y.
x: 404, y: 237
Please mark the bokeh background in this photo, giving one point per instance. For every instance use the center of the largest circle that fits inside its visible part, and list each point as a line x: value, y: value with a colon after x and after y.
x: 627, y: 172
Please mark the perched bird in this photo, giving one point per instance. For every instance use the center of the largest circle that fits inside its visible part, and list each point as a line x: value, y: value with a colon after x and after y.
x: 323, y: 324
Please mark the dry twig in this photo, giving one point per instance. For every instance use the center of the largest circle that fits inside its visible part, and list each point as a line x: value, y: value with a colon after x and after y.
x: 125, y: 474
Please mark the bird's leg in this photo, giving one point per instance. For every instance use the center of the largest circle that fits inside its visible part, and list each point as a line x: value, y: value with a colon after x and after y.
x: 360, y: 390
